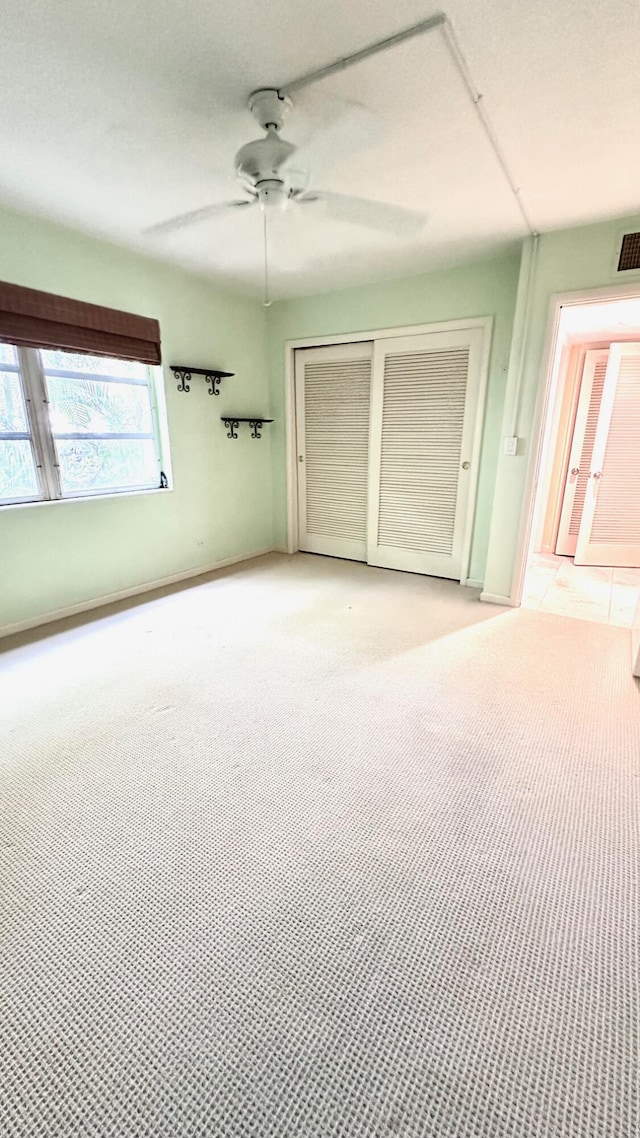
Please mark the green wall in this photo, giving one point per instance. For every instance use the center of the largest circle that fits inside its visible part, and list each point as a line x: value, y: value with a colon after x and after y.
x: 229, y: 498
x: 60, y: 554
x: 479, y: 288
x: 568, y: 260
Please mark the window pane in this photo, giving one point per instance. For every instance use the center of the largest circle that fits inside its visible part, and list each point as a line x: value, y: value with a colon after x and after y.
x: 106, y: 464
x: 89, y: 406
x: 7, y: 354
x: 13, y: 416
x: 18, y: 475
x: 96, y: 365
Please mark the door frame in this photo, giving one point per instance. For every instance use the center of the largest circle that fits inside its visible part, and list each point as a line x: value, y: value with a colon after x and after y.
x: 485, y: 323
x: 542, y: 428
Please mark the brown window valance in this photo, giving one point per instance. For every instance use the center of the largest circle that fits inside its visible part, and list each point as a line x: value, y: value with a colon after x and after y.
x: 33, y: 319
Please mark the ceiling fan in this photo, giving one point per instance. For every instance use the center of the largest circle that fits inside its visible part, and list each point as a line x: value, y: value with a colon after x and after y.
x: 274, y: 174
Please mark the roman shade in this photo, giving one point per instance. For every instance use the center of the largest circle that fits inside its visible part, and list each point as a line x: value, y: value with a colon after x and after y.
x: 33, y: 319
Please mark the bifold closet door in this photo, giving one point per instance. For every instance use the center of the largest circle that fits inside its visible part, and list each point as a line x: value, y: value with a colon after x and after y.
x: 424, y: 403
x: 333, y: 390
x: 610, y: 527
x: 584, y: 433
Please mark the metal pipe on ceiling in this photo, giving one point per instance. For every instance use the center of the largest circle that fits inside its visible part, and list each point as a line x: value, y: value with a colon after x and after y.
x: 365, y: 53
x: 440, y: 21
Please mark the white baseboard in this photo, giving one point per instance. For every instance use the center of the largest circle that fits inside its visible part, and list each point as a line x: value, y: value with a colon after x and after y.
x: 496, y: 599
x: 471, y: 583
x: 123, y: 594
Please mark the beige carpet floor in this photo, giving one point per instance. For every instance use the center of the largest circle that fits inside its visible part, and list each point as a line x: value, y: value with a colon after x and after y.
x: 313, y: 849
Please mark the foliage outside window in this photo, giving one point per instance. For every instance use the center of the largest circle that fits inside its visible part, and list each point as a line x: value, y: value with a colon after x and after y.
x: 74, y: 425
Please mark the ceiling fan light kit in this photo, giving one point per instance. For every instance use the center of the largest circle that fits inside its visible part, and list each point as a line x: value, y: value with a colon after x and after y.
x: 274, y: 174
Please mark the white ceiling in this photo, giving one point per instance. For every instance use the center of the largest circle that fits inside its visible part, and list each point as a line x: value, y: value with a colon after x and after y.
x: 116, y: 116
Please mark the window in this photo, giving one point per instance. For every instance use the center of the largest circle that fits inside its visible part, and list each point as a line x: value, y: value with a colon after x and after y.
x: 74, y: 425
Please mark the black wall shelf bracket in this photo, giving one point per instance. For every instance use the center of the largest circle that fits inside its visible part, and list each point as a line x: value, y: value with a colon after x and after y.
x: 256, y: 423
x: 212, y: 375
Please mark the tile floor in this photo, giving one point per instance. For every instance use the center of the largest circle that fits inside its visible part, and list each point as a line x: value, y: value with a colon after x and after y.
x: 589, y: 592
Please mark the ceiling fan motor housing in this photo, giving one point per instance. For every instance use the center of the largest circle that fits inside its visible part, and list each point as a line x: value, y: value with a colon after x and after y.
x: 259, y: 168
x: 262, y: 159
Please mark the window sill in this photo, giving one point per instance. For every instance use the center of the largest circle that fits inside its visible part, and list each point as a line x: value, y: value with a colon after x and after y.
x: 86, y: 498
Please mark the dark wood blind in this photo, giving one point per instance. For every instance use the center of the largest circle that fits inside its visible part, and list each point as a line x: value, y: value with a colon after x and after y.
x: 33, y: 319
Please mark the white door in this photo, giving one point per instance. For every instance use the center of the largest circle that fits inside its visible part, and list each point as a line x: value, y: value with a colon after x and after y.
x: 333, y: 390
x: 610, y: 528
x: 426, y: 391
x: 584, y: 433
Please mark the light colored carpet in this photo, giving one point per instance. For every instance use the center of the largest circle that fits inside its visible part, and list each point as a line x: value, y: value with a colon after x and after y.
x: 313, y: 850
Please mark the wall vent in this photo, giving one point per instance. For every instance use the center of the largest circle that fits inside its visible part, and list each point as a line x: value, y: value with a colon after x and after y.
x: 629, y: 253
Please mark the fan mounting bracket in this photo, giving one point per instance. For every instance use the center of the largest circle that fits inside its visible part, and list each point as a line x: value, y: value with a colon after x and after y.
x: 269, y: 107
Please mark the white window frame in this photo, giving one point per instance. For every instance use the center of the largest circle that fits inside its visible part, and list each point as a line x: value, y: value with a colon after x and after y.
x: 31, y: 373
x: 30, y: 436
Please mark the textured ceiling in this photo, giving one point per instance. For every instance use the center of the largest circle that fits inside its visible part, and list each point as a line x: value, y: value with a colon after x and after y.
x: 118, y: 116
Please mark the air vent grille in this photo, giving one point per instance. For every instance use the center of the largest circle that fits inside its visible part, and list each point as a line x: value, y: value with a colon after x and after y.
x: 629, y: 253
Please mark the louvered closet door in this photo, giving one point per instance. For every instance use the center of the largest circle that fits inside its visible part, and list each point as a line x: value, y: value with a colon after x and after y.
x: 584, y: 433
x: 425, y: 396
x: 610, y: 528
x: 333, y: 389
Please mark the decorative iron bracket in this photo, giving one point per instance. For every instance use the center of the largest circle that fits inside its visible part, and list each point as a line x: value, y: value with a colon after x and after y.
x: 256, y: 423
x: 213, y: 377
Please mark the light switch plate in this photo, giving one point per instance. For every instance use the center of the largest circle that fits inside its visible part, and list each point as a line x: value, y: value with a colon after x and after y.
x: 511, y: 445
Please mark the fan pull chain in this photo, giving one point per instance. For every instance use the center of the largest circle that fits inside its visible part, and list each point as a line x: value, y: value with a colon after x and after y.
x: 267, y: 300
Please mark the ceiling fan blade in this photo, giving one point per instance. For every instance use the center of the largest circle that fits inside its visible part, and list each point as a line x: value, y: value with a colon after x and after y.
x: 195, y: 216
x: 371, y: 214
x: 349, y: 128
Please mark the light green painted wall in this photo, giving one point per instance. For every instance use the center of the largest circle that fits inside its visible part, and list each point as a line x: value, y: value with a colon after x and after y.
x: 567, y: 261
x: 60, y: 554
x: 56, y: 555
x: 479, y: 288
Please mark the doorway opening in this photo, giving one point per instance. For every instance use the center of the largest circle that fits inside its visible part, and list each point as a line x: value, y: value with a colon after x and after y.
x: 583, y: 558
